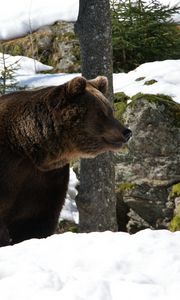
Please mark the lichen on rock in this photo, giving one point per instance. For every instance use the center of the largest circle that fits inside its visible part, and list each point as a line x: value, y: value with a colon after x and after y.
x: 174, y: 224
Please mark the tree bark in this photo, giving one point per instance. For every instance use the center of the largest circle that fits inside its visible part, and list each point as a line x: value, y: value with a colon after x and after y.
x: 96, y: 199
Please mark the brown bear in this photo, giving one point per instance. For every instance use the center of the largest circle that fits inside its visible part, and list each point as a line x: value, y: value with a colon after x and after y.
x: 41, y: 131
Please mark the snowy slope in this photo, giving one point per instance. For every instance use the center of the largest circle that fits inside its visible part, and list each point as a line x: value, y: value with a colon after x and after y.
x: 20, y: 17
x: 166, y: 73
x: 22, y: 65
x: 96, y: 266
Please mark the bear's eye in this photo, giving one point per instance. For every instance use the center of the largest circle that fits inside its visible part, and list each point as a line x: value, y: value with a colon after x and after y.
x: 101, y: 114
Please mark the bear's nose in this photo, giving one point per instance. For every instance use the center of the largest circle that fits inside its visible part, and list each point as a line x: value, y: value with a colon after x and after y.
x: 127, y: 133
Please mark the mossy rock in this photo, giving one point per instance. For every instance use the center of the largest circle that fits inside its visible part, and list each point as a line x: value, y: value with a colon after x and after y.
x: 153, y: 98
x: 30, y: 46
x: 66, y: 226
x: 120, y: 104
x: 171, y: 107
x: 174, y: 225
x: 140, y: 78
x: 175, y: 190
x: 46, y: 46
x: 120, y: 97
x: 175, y: 222
x: 150, y: 82
x: 125, y: 186
x: 13, y: 47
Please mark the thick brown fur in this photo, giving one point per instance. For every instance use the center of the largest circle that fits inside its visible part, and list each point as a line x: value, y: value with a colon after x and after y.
x: 41, y: 131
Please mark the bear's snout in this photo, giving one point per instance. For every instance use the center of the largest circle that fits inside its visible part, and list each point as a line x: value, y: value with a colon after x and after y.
x: 127, y: 134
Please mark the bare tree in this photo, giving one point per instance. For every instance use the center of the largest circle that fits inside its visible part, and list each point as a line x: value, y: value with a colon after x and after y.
x: 96, y: 200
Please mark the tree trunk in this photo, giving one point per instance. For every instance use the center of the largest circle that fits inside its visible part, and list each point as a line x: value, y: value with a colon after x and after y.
x: 96, y: 199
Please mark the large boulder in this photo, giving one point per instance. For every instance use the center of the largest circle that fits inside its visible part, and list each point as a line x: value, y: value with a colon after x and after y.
x: 146, y: 172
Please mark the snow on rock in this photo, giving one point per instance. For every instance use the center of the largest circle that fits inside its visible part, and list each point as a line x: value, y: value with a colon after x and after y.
x: 22, y: 65
x: 98, y: 266
x: 166, y: 73
x: 21, y: 17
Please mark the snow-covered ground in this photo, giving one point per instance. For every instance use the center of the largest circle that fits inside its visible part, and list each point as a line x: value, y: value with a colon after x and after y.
x: 95, y: 266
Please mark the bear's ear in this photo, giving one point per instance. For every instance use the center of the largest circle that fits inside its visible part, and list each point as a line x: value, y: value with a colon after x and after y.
x: 100, y: 83
x: 76, y: 86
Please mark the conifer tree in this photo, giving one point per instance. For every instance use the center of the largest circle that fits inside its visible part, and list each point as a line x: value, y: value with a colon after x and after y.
x: 143, y: 31
x: 7, y: 74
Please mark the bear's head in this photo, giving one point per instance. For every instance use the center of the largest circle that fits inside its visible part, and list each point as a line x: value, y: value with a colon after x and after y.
x: 83, y: 118
x: 54, y: 125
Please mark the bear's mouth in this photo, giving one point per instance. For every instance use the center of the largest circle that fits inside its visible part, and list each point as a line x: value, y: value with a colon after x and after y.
x: 113, y: 143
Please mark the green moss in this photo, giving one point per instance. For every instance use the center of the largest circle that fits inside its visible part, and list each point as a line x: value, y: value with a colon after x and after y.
x: 12, y: 48
x: 119, y: 109
x: 120, y: 104
x: 120, y: 97
x: 64, y: 37
x: 65, y: 226
x: 140, y: 78
x: 171, y: 107
x: 150, y: 82
x: 175, y: 190
x: 76, y: 53
x: 175, y: 222
x: 69, y: 36
x: 153, y: 98
x: 17, y: 50
x: 125, y: 186
x: 174, y: 225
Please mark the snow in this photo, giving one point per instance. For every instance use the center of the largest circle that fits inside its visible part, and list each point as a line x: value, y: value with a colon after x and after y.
x: 42, y: 80
x: 20, y: 17
x: 98, y: 266
x: 22, y: 65
x: 166, y: 73
x: 69, y: 211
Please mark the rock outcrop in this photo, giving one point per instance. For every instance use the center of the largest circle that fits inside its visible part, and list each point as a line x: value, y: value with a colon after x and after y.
x: 147, y: 171
x: 54, y: 45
